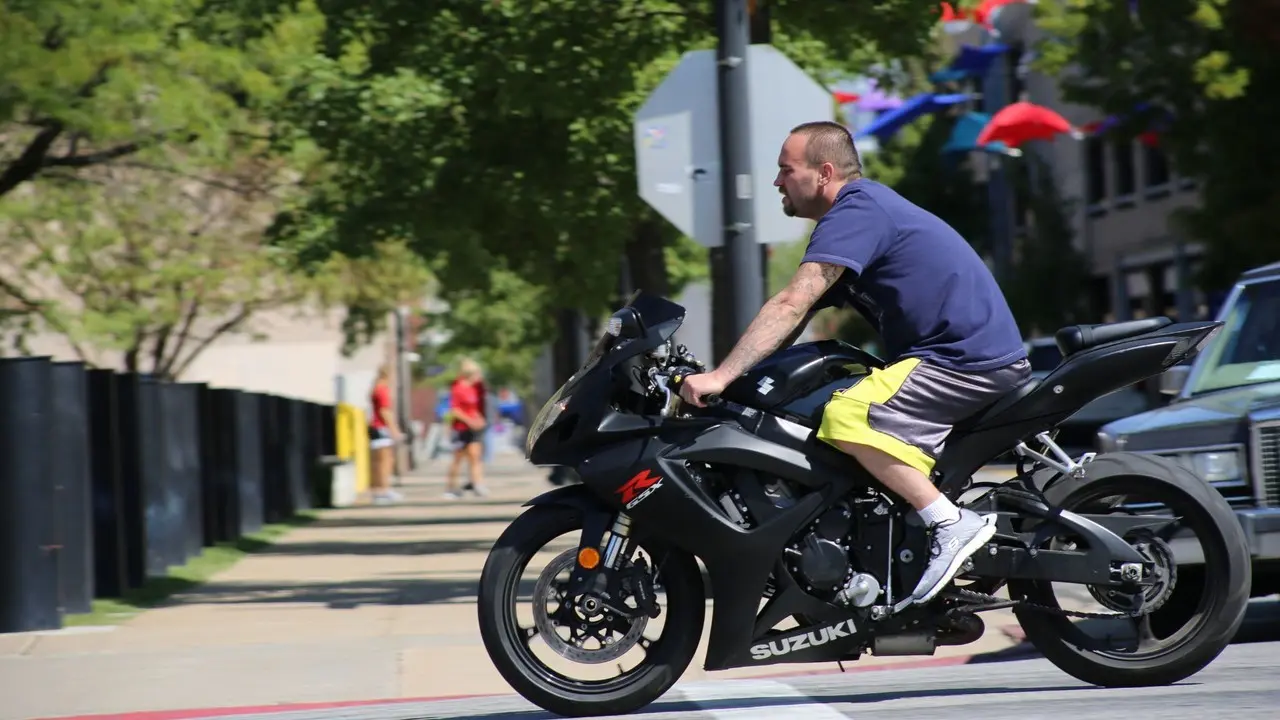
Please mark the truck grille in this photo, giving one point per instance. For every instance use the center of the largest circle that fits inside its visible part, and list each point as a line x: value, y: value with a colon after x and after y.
x: 1267, y: 462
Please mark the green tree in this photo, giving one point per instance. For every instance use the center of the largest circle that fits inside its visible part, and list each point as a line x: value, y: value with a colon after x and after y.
x: 1045, y: 291
x: 130, y: 263
x: 488, y: 323
x: 497, y: 136
x: 503, y: 131
x: 1206, y: 71
x: 87, y: 83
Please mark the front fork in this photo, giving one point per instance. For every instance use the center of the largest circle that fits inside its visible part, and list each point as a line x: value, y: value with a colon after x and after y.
x: 604, y: 579
x: 619, y: 545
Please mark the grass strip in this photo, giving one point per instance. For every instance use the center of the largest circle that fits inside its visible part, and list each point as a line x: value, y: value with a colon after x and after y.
x: 197, y: 570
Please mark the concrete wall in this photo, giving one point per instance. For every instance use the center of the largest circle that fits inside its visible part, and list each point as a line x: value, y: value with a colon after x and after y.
x: 301, y: 357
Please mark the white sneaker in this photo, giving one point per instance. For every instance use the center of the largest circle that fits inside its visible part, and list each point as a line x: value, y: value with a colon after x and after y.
x: 951, y: 543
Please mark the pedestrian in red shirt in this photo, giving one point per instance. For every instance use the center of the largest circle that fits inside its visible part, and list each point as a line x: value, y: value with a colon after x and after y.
x: 466, y: 408
x: 383, y: 434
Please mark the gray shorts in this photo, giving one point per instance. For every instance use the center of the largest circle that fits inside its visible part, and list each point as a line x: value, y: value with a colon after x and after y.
x: 908, y: 408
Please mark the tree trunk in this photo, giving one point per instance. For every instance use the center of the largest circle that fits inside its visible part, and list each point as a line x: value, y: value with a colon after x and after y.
x: 567, y: 350
x: 646, y: 260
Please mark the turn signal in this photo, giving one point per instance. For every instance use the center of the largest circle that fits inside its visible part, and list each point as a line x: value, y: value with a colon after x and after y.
x: 589, y: 558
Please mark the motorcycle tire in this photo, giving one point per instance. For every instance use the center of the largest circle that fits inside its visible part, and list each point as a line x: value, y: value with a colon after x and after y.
x: 665, y: 660
x: 1219, y: 612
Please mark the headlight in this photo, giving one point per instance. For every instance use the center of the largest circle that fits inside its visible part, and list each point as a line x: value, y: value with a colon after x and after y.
x: 1216, y: 466
x: 1105, y: 443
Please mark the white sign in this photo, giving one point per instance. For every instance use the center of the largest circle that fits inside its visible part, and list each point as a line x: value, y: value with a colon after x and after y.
x: 677, y: 140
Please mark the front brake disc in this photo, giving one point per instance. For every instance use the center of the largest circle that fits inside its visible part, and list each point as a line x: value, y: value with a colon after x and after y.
x: 581, y: 628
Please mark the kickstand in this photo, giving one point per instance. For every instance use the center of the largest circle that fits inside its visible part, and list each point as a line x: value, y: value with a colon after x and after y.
x: 841, y: 665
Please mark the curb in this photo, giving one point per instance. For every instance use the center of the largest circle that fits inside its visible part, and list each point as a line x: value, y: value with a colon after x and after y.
x: 1021, y: 650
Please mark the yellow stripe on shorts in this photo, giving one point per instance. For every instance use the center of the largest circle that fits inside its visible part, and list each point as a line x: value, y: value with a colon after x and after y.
x: 846, y: 416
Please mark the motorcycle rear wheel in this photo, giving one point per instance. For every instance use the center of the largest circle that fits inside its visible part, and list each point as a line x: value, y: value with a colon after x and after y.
x: 507, y: 643
x: 1201, y: 626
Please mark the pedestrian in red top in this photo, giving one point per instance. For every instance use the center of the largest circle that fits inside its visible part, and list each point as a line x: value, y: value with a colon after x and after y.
x: 383, y: 434
x: 466, y: 408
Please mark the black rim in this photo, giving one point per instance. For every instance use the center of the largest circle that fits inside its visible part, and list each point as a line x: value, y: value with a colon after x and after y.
x: 518, y: 637
x: 1182, y: 616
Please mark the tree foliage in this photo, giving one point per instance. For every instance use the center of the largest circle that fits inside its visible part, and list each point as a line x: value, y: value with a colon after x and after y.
x: 1202, y: 73
x: 139, y: 168
x: 133, y: 263
x: 88, y: 83
x: 499, y: 134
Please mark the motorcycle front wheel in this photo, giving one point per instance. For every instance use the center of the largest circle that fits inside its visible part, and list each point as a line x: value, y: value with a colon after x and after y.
x: 569, y: 634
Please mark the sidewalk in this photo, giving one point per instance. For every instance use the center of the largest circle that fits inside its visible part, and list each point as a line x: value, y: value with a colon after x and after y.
x: 367, y: 603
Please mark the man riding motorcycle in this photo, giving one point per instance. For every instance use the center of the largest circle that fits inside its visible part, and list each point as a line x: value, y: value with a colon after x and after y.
x: 953, y: 341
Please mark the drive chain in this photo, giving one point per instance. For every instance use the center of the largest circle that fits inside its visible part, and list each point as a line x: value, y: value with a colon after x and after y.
x: 980, y: 598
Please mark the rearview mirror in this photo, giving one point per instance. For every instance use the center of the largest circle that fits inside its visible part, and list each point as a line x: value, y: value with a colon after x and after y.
x: 1174, y: 379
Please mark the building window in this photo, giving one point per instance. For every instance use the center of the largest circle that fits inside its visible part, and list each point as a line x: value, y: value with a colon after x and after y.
x: 1156, y: 165
x: 1126, y: 177
x: 1095, y: 160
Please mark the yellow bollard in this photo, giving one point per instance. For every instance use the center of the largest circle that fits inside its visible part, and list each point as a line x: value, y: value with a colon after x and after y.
x: 353, y: 443
x: 364, y: 470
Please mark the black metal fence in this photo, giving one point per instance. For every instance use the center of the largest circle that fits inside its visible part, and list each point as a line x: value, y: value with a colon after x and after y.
x: 109, y: 478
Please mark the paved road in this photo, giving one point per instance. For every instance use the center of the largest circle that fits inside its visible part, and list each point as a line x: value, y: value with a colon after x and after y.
x: 372, y: 608
x: 1241, y: 683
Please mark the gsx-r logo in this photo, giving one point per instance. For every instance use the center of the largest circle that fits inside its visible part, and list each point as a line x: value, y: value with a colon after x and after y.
x: 638, y: 488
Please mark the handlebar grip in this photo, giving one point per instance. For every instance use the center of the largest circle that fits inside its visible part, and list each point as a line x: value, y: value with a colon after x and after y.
x: 708, y: 400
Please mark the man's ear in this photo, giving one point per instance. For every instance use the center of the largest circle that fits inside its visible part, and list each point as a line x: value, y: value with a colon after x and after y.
x: 826, y: 173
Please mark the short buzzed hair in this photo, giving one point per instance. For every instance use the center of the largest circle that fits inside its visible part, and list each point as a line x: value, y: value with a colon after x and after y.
x: 830, y: 142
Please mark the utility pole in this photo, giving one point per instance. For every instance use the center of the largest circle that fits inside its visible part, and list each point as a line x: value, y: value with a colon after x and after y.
x: 999, y: 188
x: 405, y: 344
x: 761, y: 34
x: 737, y: 272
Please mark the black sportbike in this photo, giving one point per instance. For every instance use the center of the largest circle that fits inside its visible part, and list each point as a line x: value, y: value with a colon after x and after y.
x: 809, y: 559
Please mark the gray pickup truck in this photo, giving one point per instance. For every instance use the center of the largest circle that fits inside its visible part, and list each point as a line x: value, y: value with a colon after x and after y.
x: 1224, y: 420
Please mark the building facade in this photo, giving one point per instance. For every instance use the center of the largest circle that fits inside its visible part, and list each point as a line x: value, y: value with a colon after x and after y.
x: 1124, y: 196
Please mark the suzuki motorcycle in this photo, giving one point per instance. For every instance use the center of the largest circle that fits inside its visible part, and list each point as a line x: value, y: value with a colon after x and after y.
x: 809, y: 559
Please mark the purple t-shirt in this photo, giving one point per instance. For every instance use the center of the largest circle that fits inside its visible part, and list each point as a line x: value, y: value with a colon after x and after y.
x: 915, y: 280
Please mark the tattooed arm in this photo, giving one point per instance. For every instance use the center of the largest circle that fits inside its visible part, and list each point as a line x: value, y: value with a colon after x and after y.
x: 779, y: 318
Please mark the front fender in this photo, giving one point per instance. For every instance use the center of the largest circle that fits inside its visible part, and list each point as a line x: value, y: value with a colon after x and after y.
x: 574, y: 496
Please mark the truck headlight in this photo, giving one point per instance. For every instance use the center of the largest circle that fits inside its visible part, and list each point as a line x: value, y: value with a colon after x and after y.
x: 1217, y: 465
x: 1105, y: 443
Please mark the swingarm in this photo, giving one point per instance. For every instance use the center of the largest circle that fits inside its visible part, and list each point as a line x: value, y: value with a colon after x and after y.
x: 1086, y: 549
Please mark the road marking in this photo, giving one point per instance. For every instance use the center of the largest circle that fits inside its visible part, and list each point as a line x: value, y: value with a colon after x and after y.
x: 739, y: 699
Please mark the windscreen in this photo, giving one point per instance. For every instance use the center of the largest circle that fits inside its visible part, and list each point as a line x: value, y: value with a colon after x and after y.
x: 659, y: 315
x: 1247, y: 352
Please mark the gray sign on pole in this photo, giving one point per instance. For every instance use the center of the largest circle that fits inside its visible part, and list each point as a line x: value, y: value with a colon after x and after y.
x: 677, y: 141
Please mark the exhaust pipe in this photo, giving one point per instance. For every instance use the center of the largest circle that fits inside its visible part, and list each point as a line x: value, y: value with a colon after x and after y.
x: 912, y: 643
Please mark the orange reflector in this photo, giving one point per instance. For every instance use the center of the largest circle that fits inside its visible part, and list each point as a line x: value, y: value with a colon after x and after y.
x: 589, y: 558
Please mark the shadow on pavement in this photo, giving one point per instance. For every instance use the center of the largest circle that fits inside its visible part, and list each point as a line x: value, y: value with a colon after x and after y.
x: 1261, y: 624
x: 407, y: 547
x: 349, y: 595
x: 392, y: 521
x: 661, y: 707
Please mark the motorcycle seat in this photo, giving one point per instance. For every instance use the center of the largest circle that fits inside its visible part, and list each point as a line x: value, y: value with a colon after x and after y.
x: 1075, y: 338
